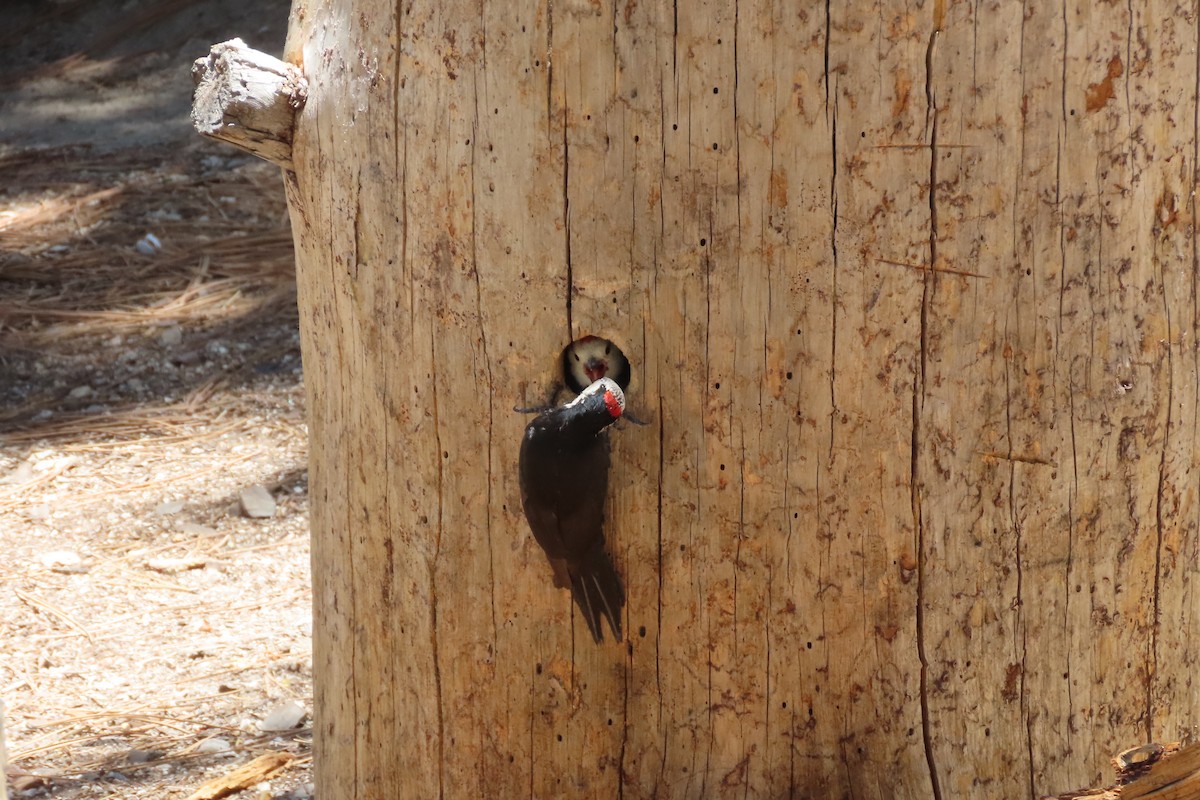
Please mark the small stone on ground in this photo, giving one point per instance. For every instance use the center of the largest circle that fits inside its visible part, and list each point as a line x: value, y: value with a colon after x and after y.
x: 257, y: 502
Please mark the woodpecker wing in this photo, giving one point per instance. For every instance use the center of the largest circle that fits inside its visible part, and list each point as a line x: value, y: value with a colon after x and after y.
x: 563, y: 491
x: 564, y: 481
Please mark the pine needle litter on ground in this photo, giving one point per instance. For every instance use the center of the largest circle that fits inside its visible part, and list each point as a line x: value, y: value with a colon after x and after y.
x: 149, y: 373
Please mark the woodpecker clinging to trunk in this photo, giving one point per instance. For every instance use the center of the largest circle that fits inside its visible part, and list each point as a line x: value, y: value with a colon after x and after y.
x: 591, y: 358
x: 564, y: 479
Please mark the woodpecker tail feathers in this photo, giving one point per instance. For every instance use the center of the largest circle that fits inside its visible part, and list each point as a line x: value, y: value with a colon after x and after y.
x: 597, y: 590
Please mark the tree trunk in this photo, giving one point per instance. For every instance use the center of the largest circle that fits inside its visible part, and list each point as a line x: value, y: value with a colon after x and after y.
x: 910, y: 296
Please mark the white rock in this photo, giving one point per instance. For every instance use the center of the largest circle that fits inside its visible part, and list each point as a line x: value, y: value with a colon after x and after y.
x: 171, y: 337
x: 59, y: 558
x: 214, y: 745
x: 284, y: 717
x: 148, y: 245
x: 22, y: 474
x: 195, y: 529
x: 168, y: 507
x: 257, y: 502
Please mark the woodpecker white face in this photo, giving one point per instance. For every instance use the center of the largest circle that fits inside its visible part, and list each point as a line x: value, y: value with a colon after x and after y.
x: 591, y: 358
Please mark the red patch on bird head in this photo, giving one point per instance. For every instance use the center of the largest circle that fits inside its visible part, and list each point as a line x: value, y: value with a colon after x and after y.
x: 614, y: 404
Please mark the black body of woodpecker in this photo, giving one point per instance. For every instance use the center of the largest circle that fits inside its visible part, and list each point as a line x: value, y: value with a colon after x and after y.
x: 564, y: 479
x: 591, y: 358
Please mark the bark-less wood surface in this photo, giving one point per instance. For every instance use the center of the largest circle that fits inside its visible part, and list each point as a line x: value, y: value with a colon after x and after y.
x: 910, y: 293
x: 248, y: 99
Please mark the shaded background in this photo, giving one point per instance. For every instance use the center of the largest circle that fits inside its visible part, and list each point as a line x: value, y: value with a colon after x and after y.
x: 149, y: 376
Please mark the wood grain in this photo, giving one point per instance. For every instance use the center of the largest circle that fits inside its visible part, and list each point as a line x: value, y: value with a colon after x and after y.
x: 910, y: 297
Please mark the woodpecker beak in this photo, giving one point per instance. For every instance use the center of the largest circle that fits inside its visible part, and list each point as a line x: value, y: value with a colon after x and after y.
x: 596, y: 368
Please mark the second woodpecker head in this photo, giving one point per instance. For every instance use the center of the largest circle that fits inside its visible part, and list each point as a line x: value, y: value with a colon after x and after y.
x: 591, y: 358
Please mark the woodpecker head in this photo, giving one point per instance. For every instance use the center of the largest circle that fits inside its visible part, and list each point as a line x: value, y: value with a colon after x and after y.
x: 603, y: 399
x: 591, y: 358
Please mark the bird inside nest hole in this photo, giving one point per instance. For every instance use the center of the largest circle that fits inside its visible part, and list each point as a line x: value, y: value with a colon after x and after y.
x: 590, y: 358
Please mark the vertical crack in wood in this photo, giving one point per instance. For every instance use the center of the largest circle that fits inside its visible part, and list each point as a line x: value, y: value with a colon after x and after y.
x: 788, y: 514
x: 766, y: 742
x: 662, y: 767
x: 831, y: 117
x: 1195, y: 214
x: 709, y: 705
x: 1066, y: 46
x: 405, y: 263
x: 549, y: 65
x: 348, y: 411
x: 675, y: 48
x: 357, y: 227
x: 566, y: 211
x: 532, y: 718
x: 1129, y: 65
x: 398, y: 81
x: 1073, y: 491
x: 828, y: 21
x: 917, y: 405
x: 433, y: 565
x: 487, y: 363
x: 708, y: 271
x: 1072, y: 498
x: 740, y: 536
x: 613, y: 27
x: 1019, y: 629
x: 1062, y: 252
x: 792, y: 754
x: 1156, y: 619
x: 737, y: 137
x: 624, y: 716
x: 659, y: 536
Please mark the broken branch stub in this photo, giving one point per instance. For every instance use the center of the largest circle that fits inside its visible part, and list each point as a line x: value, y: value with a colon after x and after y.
x: 248, y: 99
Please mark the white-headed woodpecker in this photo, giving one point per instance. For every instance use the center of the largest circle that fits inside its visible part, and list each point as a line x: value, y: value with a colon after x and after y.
x: 564, y: 480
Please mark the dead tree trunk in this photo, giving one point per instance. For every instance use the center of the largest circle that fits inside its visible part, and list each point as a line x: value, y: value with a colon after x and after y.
x: 912, y: 303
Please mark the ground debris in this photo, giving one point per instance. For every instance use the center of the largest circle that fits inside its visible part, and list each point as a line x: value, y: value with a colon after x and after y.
x: 173, y: 565
x: 1149, y: 772
x: 243, y: 777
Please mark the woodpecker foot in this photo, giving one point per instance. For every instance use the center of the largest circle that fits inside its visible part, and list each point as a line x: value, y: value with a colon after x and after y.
x: 531, y: 409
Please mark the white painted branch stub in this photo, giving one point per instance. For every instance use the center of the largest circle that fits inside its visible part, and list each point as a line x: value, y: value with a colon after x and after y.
x: 248, y: 99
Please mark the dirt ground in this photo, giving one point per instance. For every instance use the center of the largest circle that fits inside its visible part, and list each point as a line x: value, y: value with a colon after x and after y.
x: 153, y: 636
